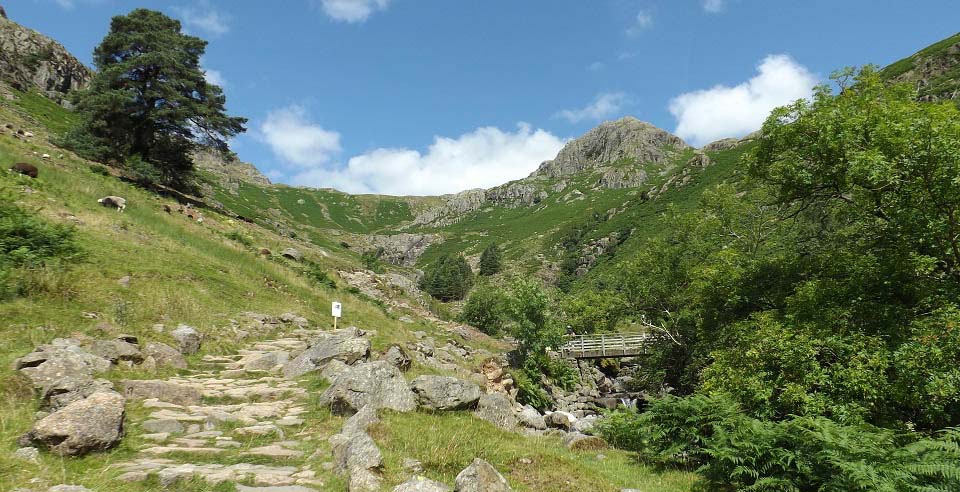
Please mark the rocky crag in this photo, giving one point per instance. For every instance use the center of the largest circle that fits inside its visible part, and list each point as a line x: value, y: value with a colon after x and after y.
x: 30, y: 60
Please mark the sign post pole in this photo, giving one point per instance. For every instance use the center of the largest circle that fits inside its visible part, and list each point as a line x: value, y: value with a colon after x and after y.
x: 337, y: 310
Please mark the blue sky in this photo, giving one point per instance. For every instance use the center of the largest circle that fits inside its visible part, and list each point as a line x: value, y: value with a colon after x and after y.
x: 438, y: 96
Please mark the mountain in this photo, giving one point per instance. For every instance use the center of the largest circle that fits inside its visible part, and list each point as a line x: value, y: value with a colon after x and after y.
x: 935, y: 70
x: 31, y: 61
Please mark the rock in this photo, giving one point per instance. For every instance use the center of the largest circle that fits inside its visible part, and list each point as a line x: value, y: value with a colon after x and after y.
x: 481, y: 476
x: 585, y: 425
x: 400, y: 249
x: 92, y: 424
x: 560, y: 420
x: 292, y: 253
x: 445, y: 393
x: 162, y: 390
x: 61, y: 357
x: 722, y: 144
x: 187, y: 338
x: 374, y: 383
x: 165, y: 355
x: 530, y: 417
x: 345, y: 345
x: 421, y: 484
x: 68, y: 488
x: 581, y: 442
x: 266, y: 361
x: 356, y: 454
x: 30, y: 454
x: 162, y: 426
x: 70, y: 388
x: 397, y: 357
x: 124, y: 281
x: 412, y: 465
x: 497, y: 409
x: 116, y: 351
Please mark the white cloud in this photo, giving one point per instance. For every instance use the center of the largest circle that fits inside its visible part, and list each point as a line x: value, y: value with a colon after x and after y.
x: 603, y: 106
x: 204, y: 17
x: 714, y: 6
x: 642, y: 22
x: 482, y: 158
x: 298, y: 141
x: 707, y: 115
x: 595, y: 66
x: 214, y: 77
x: 352, y: 10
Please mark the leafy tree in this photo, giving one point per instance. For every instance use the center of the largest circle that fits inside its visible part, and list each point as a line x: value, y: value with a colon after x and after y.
x: 149, y: 100
x: 485, y: 309
x: 490, y: 260
x: 449, y: 279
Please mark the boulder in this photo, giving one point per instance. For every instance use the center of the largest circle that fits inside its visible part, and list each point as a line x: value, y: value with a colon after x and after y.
x: 116, y: 350
x: 68, y: 488
x: 61, y: 357
x: 421, y: 484
x: 497, y: 409
x: 560, y: 420
x: 25, y: 169
x: 292, y: 253
x: 92, y: 424
x: 582, y: 442
x: 481, y: 476
x: 397, y: 357
x: 356, y: 454
x: 374, y: 383
x: 445, y: 393
x: 267, y: 361
x: 530, y: 417
x: 187, y: 338
x: 347, y: 346
x: 70, y: 388
x: 162, y: 390
x: 164, y: 355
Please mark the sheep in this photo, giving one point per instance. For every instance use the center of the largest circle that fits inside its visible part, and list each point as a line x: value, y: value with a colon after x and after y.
x: 25, y: 169
x: 113, y: 201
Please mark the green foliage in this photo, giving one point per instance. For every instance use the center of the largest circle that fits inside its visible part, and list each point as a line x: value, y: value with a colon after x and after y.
x: 530, y: 391
x: 149, y: 98
x: 485, y: 309
x: 316, y: 273
x: 99, y: 169
x: 237, y: 236
x: 371, y: 260
x: 532, y: 324
x: 449, y: 279
x: 490, y: 260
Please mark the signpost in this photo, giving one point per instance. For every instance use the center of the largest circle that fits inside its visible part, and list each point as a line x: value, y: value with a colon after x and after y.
x: 337, y: 309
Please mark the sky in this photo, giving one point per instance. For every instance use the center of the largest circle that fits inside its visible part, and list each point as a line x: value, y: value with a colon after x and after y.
x: 426, y: 97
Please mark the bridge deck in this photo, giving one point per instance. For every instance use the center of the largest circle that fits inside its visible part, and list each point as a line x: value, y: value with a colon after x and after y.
x: 606, y: 345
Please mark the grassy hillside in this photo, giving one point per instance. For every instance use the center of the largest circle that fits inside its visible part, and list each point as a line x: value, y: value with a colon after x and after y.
x: 146, y: 267
x: 938, y: 65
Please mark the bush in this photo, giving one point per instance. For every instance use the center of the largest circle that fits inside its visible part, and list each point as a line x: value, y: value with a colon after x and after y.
x: 529, y: 391
x: 371, y: 260
x: 316, y: 273
x: 485, y: 309
x: 490, y: 260
x: 99, y: 169
x: 33, y: 252
x: 240, y: 238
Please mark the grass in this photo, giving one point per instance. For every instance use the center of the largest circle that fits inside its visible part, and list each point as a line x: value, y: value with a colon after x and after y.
x: 446, y: 443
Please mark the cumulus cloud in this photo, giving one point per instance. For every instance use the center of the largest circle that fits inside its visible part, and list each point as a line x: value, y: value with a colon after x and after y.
x: 714, y: 6
x: 214, y: 77
x: 641, y: 22
x: 352, y: 10
x: 204, y: 17
x: 603, y: 106
x: 297, y: 140
x: 595, y: 66
x: 482, y: 158
x: 710, y: 114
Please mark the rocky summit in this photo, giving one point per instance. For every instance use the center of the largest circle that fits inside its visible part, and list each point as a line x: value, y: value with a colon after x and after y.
x: 30, y: 60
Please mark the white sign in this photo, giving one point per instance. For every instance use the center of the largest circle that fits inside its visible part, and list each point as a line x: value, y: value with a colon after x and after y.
x: 337, y: 309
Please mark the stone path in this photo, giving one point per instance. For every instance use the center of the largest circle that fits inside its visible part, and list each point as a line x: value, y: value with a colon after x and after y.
x: 246, y: 429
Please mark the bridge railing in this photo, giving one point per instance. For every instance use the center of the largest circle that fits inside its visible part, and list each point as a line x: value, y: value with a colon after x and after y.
x: 606, y: 345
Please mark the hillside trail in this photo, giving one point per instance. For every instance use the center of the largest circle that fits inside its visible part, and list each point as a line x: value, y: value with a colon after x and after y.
x: 248, y: 427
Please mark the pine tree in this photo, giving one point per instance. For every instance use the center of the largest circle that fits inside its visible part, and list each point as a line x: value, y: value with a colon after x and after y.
x: 149, y: 105
x: 490, y: 260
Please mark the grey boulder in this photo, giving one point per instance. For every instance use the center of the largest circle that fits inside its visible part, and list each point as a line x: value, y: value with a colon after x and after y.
x: 61, y: 357
x: 164, y: 355
x: 162, y: 390
x: 356, y: 454
x: 530, y: 417
x: 376, y: 383
x: 187, y: 338
x: 445, y: 393
x: 421, y: 484
x: 70, y: 388
x: 397, y: 357
x: 116, y: 350
x: 347, y: 346
x: 92, y: 424
x: 497, y: 409
x: 481, y: 476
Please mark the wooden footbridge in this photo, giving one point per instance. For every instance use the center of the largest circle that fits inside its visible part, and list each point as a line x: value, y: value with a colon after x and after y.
x: 606, y: 345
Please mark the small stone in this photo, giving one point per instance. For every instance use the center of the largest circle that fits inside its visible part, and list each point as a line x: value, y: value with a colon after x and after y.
x: 169, y: 426
x: 30, y: 454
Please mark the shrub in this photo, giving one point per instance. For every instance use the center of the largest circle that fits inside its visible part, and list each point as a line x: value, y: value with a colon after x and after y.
x: 240, y: 238
x: 371, y: 260
x: 529, y: 391
x: 99, y: 169
x: 27, y: 240
x: 485, y: 309
x: 490, y: 260
x: 316, y: 273
x: 449, y: 279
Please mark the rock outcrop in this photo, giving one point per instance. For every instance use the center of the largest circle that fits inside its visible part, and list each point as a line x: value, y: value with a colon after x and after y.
x: 377, y: 384
x: 481, y: 476
x: 347, y: 346
x: 92, y: 424
x: 355, y: 454
x: 400, y: 249
x: 445, y: 393
x: 30, y: 60
x: 497, y: 409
